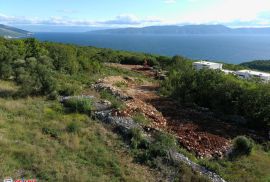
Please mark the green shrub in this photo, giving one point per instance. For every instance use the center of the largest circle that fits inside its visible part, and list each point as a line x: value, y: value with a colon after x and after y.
x: 158, y: 148
x: 211, y: 165
x: 242, y: 146
x: 51, y: 132
x: 69, y: 89
x: 163, y: 142
x: 133, y: 60
x: 73, y: 127
x: 137, y: 140
x: 81, y: 105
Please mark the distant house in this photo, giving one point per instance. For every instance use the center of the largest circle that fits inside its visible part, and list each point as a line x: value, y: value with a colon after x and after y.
x: 248, y: 74
x: 207, y: 65
x: 228, y: 71
x: 245, y: 74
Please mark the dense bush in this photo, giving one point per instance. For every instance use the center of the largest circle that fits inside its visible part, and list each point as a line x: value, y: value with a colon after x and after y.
x: 219, y: 92
x: 133, y: 60
x: 81, y: 105
x: 242, y: 146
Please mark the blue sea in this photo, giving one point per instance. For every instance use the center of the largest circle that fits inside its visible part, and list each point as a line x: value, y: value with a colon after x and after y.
x: 226, y: 48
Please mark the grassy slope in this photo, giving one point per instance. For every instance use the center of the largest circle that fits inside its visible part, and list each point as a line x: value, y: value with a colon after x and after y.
x: 34, y: 143
x: 94, y: 153
x: 253, y: 168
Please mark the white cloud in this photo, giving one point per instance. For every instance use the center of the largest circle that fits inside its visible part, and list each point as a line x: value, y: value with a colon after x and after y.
x: 120, y: 20
x: 228, y: 12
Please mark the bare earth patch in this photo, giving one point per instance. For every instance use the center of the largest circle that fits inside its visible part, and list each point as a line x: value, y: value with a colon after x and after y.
x: 165, y: 115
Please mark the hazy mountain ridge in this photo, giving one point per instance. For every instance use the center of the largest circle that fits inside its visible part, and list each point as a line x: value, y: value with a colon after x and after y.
x: 12, y: 32
x: 185, y: 30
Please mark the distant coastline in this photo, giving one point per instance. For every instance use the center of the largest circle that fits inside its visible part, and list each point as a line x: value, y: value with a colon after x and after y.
x: 187, y: 30
x: 233, y: 49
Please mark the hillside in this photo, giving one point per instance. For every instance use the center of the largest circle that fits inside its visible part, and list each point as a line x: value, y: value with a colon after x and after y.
x: 83, y: 113
x: 261, y: 65
x: 7, y: 31
x: 186, y: 30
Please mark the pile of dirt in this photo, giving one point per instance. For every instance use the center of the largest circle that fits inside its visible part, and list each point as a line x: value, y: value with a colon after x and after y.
x: 134, y: 106
x: 166, y: 115
x: 202, y: 143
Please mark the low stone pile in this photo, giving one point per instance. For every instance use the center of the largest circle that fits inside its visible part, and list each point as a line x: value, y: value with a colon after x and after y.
x: 123, y: 123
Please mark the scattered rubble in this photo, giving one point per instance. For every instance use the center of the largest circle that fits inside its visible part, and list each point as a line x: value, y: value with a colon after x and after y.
x: 202, y: 143
x: 177, y: 157
x: 125, y: 124
x: 142, y: 98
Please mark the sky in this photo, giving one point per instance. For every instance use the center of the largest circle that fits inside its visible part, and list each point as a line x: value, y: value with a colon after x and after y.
x: 134, y: 13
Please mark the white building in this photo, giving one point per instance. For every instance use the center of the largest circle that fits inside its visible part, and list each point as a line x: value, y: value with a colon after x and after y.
x: 248, y: 74
x: 228, y: 71
x: 207, y: 65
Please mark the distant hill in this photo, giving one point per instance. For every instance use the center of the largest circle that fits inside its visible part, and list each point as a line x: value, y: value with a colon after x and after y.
x: 186, y: 30
x: 11, y: 32
x: 262, y: 65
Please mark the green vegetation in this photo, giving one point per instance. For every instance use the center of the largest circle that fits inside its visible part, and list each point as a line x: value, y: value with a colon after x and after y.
x: 116, y: 103
x: 234, y: 67
x: 226, y: 94
x: 253, y: 168
x: 262, y: 65
x: 81, y: 105
x: 241, y: 146
x: 39, y: 140
x: 221, y: 93
x: 141, y: 119
x: 52, y: 69
x: 155, y: 154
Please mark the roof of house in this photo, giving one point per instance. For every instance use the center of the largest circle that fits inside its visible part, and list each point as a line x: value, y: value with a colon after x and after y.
x: 206, y: 63
x: 256, y: 73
